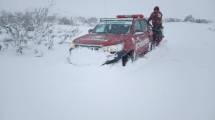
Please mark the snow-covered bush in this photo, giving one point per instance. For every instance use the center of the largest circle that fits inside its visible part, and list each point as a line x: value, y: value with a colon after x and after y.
x: 27, y: 28
x: 65, y: 21
x: 81, y: 20
x: 190, y: 18
x: 67, y: 35
x: 92, y: 21
x: 15, y: 25
x: 52, y: 19
x: 64, y: 33
x: 202, y: 21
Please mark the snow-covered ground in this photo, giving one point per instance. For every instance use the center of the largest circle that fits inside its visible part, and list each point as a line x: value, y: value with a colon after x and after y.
x: 176, y: 81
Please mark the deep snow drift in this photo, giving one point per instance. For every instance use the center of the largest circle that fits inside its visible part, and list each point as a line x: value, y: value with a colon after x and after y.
x: 173, y: 82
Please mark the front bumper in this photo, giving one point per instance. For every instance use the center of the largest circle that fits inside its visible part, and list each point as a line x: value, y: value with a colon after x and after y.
x: 93, y: 55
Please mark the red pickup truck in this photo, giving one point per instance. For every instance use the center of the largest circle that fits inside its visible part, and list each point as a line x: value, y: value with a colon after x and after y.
x: 122, y: 38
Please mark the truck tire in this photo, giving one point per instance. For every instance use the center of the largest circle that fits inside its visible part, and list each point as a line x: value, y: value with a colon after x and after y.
x: 124, y: 60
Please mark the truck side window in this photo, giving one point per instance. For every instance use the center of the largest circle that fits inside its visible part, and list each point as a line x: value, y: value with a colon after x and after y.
x: 144, y: 25
x: 138, y: 27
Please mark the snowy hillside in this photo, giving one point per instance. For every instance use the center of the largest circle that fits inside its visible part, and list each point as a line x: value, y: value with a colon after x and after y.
x: 173, y: 82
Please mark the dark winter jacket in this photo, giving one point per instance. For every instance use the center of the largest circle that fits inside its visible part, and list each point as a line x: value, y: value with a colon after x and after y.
x: 156, y: 18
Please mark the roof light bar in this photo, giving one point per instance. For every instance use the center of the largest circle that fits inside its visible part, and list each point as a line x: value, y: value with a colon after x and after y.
x: 130, y: 16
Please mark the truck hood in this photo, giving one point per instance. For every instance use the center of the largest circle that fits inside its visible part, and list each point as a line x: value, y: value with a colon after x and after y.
x: 99, y: 39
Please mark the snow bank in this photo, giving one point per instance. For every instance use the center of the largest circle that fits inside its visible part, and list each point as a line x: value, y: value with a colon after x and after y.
x: 87, y: 57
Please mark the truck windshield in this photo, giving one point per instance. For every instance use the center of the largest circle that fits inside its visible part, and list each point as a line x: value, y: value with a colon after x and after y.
x: 112, y: 28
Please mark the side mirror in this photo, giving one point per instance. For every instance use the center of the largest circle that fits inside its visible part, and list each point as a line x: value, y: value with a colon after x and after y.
x: 90, y: 31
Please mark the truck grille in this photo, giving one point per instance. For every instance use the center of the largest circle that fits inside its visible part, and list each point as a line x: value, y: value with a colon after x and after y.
x: 92, y: 47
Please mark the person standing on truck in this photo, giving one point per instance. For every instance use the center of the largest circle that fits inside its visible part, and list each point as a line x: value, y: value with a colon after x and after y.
x: 157, y: 27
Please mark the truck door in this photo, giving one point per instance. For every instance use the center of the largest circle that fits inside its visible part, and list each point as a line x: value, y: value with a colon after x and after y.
x: 140, y: 37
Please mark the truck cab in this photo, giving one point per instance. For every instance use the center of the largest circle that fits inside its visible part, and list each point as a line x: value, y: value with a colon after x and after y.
x: 123, y: 37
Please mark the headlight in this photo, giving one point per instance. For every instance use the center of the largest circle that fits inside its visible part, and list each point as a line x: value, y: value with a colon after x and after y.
x: 72, y: 45
x: 113, y: 48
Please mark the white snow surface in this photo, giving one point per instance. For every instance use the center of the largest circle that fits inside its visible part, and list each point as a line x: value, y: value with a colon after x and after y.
x: 176, y: 81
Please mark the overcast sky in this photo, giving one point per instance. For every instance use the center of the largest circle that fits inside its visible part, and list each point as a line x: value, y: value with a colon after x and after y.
x: 107, y: 8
